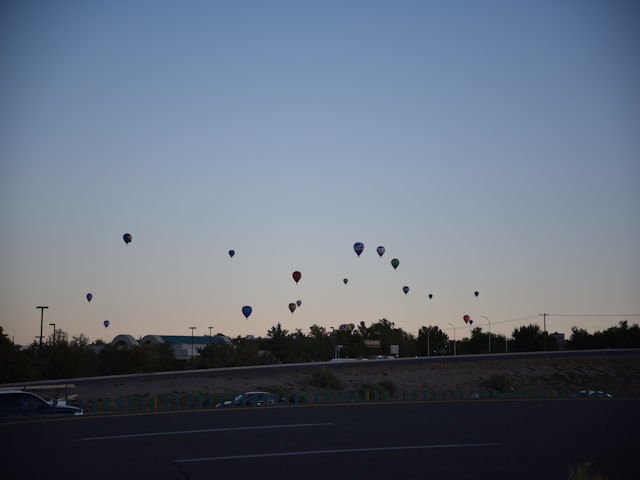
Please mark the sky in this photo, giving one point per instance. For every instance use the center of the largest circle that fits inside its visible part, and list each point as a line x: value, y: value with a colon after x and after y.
x: 488, y: 145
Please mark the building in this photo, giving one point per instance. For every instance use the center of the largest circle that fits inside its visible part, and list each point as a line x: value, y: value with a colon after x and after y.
x: 183, y: 347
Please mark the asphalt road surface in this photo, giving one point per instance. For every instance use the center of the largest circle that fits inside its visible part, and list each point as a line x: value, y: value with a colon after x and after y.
x: 523, y: 439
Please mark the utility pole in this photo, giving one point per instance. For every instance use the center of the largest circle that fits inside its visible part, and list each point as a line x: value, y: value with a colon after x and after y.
x: 454, y: 339
x: 192, y: 329
x: 54, y: 331
x: 544, y: 333
x: 41, y: 319
x: 487, y: 318
x: 210, y: 335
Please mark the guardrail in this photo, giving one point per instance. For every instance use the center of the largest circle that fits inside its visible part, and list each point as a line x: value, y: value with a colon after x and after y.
x: 176, y: 402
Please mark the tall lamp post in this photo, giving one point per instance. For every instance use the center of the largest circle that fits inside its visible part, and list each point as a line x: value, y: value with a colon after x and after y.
x: 54, y: 331
x: 210, y: 335
x: 487, y: 319
x: 41, y: 318
x: 192, y: 329
x: 454, y: 339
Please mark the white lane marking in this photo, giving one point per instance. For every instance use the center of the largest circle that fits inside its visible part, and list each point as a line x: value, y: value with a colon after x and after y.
x: 186, y: 432
x: 346, y: 450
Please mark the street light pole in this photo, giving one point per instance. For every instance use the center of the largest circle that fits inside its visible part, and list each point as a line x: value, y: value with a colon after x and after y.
x: 192, y: 329
x: 487, y: 319
x: 210, y: 335
x: 454, y: 339
x: 41, y: 319
x: 54, y: 331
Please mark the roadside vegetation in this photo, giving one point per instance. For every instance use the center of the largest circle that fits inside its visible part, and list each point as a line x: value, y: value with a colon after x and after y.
x: 64, y: 357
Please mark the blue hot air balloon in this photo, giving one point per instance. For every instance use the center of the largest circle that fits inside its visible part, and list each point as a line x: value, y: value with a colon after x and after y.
x: 380, y: 250
x: 89, y: 297
x: 106, y: 323
x: 127, y: 238
x: 358, y: 247
x: 430, y: 296
x: 232, y: 253
x: 405, y: 289
x: 246, y: 311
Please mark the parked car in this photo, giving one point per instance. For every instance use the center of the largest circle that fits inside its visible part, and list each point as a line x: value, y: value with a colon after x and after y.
x: 18, y: 403
x: 591, y: 394
x: 252, y: 398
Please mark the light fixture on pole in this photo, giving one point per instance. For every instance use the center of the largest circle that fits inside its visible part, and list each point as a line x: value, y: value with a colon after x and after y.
x: 54, y: 331
x: 454, y: 339
x: 192, y: 329
x: 487, y: 318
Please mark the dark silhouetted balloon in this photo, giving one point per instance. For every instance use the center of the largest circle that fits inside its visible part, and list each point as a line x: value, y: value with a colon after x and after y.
x: 358, y: 247
x: 89, y: 297
x: 430, y: 296
x: 106, y: 323
x: 470, y: 322
x: 380, y: 250
x: 296, y: 276
x: 405, y: 289
x: 127, y: 238
x: 476, y: 293
x: 345, y: 280
x: 292, y: 307
x: 246, y: 311
x: 299, y: 302
x: 394, y: 263
x: 362, y: 324
x: 232, y: 253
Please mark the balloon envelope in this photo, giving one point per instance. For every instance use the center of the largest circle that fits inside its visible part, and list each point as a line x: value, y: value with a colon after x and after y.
x: 358, y: 247
x: 246, y: 311
x: 466, y: 318
x: 89, y: 297
x: 106, y: 323
x: 232, y: 253
x: 127, y: 238
x: 405, y: 289
x: 380, y: 250
x: 292, y: 307
x: 430, y: 296
x: 345, y: 280
x: 362, y: 324
x: 394, y: 263
x: 299, y: 302
x: 476, y: 293
x: 296, y: 276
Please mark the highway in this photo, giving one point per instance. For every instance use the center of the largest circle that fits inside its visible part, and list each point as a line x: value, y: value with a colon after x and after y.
x: 524, y: 439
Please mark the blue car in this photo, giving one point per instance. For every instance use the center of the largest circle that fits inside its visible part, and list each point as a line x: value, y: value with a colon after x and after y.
x: 17, y: 403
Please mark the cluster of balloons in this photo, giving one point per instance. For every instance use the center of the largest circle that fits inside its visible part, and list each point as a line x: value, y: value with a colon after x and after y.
x: 467, y: 319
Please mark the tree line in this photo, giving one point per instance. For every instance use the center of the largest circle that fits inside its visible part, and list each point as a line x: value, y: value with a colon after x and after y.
x: 64, y: 357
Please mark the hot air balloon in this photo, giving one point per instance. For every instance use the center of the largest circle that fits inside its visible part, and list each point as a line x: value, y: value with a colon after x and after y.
x: 470, y: 322
x: 127, y: 238
x: 106, y: 323
x: 476, y: 293
x: 362, y: 324
x: 380, y: 250
x: 246, y: 311
x: 394, y: 263
x: 358, y: 247
x: 296, y: 276
x: 466, y: 318
x: 405, y: 289
x: 345, y: 280
x: 89, y: 297
x: 430, y: 296
x: 351, y: 326
x: 299, y: 302
x: 232, y: 253
x: 292, y: 307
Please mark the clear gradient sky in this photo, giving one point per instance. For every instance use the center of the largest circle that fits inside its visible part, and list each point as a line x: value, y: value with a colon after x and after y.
x: 488, y: 145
